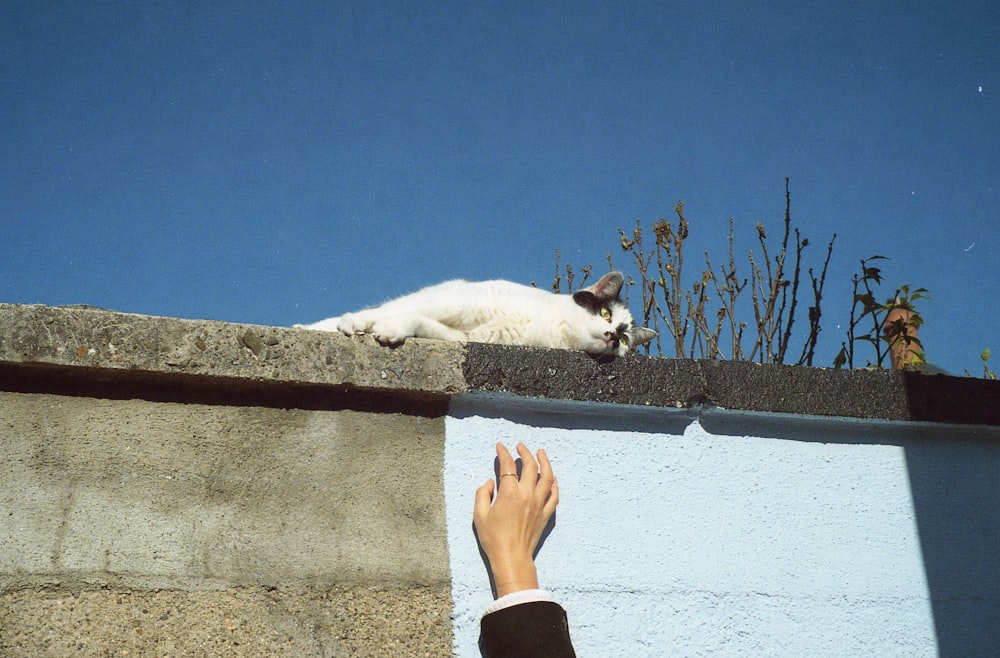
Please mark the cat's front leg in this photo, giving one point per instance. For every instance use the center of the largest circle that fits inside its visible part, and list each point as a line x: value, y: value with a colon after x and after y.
x: 395, y: 329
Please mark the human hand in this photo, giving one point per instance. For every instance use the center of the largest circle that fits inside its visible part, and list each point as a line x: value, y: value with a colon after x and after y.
x: 510, y: 528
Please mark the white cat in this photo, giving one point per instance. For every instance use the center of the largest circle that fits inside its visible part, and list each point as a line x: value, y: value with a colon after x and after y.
x: 592, y: 319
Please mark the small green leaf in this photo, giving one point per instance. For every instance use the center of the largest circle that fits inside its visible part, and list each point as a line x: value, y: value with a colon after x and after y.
x: 867, y: 301
x: 873, y: 273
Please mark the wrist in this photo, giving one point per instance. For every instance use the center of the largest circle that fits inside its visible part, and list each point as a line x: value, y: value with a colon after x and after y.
x: 514, y: 575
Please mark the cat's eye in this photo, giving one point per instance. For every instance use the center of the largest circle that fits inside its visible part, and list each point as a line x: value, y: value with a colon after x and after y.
x: 606, y: 313
x: 624, y: 340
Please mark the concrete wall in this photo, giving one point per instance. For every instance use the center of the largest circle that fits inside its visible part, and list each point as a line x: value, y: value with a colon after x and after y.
x: 176, y: 487
x: 172, y: 487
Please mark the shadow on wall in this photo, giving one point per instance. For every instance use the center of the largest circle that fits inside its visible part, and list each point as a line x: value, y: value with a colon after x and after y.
x: 954, y: 475
x: 955, y: 485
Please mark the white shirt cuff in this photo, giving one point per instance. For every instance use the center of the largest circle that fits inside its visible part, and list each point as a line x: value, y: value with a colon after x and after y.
x: 517, y: 598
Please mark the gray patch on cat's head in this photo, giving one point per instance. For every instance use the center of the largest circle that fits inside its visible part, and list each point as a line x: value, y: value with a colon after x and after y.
x: 639, y: 336
x: 607, y: 288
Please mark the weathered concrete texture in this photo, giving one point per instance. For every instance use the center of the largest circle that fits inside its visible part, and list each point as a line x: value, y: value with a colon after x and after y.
x: 94, y: 339
x: 120, y: 355
x: 189, y: 488
x: 638, y: 380
x: 562, y: 375
x: 239, y: 623
x: 146, y: 494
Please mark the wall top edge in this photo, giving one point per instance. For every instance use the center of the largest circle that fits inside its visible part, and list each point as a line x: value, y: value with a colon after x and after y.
x: 108, y: 346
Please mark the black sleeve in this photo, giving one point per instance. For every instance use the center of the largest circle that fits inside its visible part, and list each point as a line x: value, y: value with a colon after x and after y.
x: 528, y: 630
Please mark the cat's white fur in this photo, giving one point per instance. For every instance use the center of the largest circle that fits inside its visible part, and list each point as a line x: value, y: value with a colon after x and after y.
x: 506, y: 313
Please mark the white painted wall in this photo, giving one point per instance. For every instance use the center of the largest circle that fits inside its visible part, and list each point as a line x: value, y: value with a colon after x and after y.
x: 798, y: 537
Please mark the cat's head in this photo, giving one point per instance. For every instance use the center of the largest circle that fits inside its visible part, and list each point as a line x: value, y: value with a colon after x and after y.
x: 612, y: 332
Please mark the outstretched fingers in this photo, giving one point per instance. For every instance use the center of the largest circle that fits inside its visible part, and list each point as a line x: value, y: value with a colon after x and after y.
x: 511, y: 515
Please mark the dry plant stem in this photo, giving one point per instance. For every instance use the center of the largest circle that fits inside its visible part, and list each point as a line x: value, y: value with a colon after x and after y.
x: 728, y: 292
x: 556, y: 282
x: 876, y: 328
x: 755, y: 275
x: 724, y: 311
x: 786, y: 337
x: 782, y: 340
x: 642, y: 261
x: 854, y: 320
x: 768, y: 295
x: 671, y: 243
x: 769, y: 321
x: 648, y: 302
x: 848, y: 349
x: 686, y: 312
x: 703, y: 337
x: 816, y: 312
x: 668, y: 318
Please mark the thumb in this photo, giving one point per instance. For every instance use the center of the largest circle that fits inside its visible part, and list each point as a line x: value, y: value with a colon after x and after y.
x: 484, y: 496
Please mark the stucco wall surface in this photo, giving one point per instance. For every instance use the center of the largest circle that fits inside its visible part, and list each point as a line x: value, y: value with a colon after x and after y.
x: 733, y: 534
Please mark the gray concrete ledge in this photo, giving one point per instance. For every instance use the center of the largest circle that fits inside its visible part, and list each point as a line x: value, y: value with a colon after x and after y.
x: 86, y: 351
x: 107, y: 354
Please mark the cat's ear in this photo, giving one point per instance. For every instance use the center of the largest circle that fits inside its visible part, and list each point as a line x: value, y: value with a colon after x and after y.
x: 607, y: 288
x: 641, y: 336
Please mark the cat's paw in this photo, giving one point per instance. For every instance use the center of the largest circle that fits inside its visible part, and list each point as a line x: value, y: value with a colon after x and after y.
x: 353, y: 324
x: 392, y: 331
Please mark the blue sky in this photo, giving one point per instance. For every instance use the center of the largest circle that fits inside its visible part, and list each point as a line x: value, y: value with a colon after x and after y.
x: 276, y: 163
